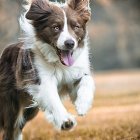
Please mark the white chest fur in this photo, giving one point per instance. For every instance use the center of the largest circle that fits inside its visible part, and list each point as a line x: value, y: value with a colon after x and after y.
x: 48, y: 66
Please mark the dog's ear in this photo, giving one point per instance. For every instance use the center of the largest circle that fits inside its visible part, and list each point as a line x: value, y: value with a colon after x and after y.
x: 38, y: 10
x: 82, y: 7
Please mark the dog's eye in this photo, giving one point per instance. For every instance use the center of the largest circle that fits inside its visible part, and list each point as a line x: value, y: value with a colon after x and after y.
x: 76, y: 27
x: 56, y: 28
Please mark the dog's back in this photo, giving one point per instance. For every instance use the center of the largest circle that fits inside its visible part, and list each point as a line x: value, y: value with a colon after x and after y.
x: 12, y: 99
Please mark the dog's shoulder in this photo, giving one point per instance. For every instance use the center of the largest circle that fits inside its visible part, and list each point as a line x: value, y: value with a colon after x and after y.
x: 26, y: 72
x: 10, y: 53
x: 19, y: 62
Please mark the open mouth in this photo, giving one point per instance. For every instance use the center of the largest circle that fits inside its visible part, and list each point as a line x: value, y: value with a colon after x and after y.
x: 66, y: 56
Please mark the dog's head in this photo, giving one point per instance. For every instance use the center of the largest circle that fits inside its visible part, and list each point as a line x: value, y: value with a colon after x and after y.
x: 62, y: 26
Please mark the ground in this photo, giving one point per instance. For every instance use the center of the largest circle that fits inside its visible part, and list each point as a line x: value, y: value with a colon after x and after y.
x: 115, y: 114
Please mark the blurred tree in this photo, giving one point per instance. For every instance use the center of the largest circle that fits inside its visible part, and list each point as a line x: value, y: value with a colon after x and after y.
x: 8, y: 22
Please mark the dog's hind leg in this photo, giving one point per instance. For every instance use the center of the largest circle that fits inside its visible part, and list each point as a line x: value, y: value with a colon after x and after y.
x: 8, y: 133
x: 12, y: 132
x: 10, y: 118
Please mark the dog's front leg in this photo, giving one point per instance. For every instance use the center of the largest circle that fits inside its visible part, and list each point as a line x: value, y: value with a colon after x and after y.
x: 49, y: 101
x: 85, y: 93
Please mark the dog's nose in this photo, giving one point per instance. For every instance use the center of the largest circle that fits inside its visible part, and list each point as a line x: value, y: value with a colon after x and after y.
x: 69, y: 44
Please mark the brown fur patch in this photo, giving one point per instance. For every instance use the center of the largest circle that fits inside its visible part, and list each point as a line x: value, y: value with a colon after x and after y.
x: 46, y: 16
x: 26, y: 73
x: 81, y: 7
x: 13, y: 98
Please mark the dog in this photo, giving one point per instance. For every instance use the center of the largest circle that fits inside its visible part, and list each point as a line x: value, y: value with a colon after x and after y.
x: 51, y: 58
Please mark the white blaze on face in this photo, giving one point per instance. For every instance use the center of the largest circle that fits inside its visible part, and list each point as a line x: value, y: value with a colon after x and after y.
x: 65, y: 35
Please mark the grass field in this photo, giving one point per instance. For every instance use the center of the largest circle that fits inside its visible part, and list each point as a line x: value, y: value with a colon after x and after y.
x: 114, y: 116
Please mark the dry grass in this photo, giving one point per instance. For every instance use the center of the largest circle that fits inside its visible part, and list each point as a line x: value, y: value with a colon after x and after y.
x: 115, y: 115
x: 102, y: 123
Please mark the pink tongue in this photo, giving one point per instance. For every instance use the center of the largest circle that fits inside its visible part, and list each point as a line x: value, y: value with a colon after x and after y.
x: 66, y: 56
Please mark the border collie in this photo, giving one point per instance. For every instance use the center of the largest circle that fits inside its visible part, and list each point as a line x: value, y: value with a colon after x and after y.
x: 51, y: 58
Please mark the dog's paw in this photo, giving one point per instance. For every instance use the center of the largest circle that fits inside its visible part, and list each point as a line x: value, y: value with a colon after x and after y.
x: 61, y: 121
x: 82, y: 108
x: 67, y: 125
x: 67, y: 122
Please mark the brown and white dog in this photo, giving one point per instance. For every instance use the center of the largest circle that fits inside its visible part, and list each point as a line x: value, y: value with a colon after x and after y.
x: 53, y: 56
